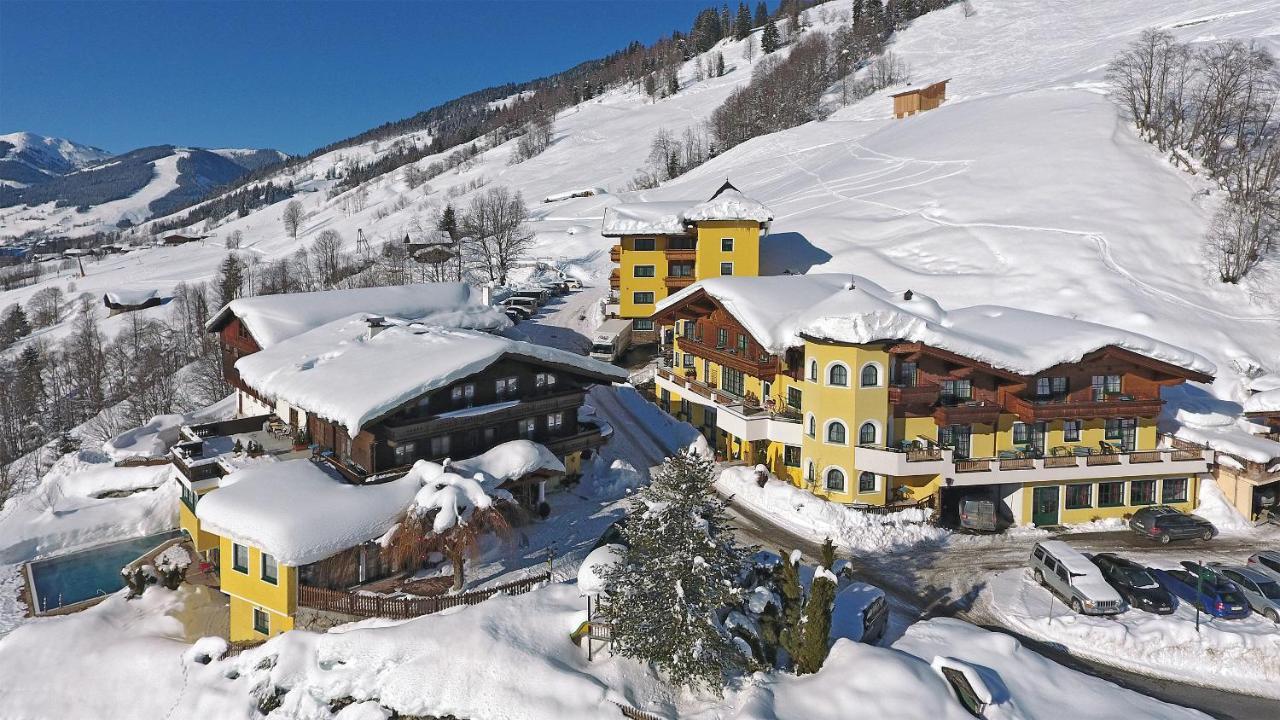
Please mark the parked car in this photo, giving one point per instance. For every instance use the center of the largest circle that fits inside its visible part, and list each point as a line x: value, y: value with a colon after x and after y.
x: 1205, y: 589
x: 1070, y: 575
x: 529, y: 304
x: 516, y: 314
x: 1261, y: 590
x: 1135, y: 584
x: 1163, y: 523
x: 538, y: 295
x: 977, y: 514
x: 556, y: 287
x: 573, y: 283
x: 1267, y: 561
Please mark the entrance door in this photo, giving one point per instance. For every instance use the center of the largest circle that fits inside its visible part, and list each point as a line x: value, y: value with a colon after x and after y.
x: 1044, y: 506
x: 1038, y: 438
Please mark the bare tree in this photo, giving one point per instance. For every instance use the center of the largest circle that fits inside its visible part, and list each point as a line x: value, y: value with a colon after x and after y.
x: 326, y: 257
x: 497, y: 234
x: 234, y: 240
x: 292, y: 218
x: 1237, y: 239
x: 45, y: 307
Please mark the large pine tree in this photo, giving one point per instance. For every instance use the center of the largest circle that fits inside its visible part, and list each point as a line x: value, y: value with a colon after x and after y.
x: 815, y: 628
x: 677, y: 577
x: 230, y: 279
x: 762, y: 14
x: 742, y: 26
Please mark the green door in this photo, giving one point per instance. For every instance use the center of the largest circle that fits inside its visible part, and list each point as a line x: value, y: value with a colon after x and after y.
x: 1044, y: 506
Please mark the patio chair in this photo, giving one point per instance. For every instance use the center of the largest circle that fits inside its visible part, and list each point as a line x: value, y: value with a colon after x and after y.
x: 1059, y: 451
x: 1081, y: 451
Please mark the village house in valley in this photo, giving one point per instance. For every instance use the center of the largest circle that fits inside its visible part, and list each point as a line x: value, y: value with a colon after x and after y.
x: 663, y: 247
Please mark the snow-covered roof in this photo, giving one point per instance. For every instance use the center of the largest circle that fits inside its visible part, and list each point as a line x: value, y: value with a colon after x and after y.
x: 779, y: 310
x: 1267, y: 401
x: 509, y: 461
x: 125, y: 296
x: 591, y: 571
x: 670, y: 217
x: 339, y: 372
x: 301, y: 512
x: 273, y: 318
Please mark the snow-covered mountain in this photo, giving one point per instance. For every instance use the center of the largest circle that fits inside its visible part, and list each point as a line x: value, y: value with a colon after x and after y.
x: 27, y: 158
x: 121, y: 190
x: 1025, y: 188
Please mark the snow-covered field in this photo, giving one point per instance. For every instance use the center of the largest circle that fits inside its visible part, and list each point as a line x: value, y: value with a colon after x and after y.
x: 1239, y: 655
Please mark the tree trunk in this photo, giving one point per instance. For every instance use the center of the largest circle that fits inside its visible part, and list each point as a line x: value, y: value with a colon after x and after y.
x: 459, y: 579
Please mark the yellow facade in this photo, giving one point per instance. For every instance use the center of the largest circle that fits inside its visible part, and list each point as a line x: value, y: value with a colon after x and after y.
x: 727, y: 241
x: 201, y: 539
x: 736, y: 242
x: 249, y: 589
x: 1125, y: 508
x: 630, y: 283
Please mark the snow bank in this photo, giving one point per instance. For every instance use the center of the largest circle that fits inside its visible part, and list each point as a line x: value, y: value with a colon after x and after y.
x: 1213, y: 506
x: 1239, y: 655
x: 806, y: 514
x: 153, y: 439
x: 509, y: 461
x: 301, y: 512
x: 780, y: 310
x: 274, y: 318
x: 338, y: 372
x: 591, y: 571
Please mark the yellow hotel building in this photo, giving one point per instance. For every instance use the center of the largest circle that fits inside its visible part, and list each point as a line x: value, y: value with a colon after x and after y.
x: 873, y: 398
x: 664, y: 247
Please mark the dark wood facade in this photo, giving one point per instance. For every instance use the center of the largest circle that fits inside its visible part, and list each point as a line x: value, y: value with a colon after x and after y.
x: 235, y: 341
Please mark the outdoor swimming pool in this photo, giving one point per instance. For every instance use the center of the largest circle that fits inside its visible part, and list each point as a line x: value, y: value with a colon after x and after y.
x: 79, y: 576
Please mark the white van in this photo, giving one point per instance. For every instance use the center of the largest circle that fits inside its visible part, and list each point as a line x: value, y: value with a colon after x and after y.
x: 610, y: 340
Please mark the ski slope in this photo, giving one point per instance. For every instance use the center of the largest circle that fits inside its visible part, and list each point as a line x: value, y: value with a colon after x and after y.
x: 1025, y: 188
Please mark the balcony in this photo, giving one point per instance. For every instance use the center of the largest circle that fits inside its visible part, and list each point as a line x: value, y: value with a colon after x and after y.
x: 675, y: 282
x: 733, y: 414
x: 681, y: 254
x: 1031, y: 410
x: 731, y: 357
x: 913, y: 395
x: 615, y: 254
x: 615, y: 280
x: 967, y: 413
x: 482, y: 415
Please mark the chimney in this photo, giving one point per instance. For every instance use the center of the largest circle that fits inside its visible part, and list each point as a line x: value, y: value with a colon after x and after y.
x: 376, y: 325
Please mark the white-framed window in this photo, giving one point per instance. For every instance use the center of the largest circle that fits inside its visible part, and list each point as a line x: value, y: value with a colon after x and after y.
x: 644, y: 325
x: 642, y: 271
x: 463, y: 394
x: 239, y: 558
x: 726, y: 268
x: 555, y: 421
x: 836, y: 433
x: 526, y: 427
x: 270, y: 571
x: 642, y: 298
x: 544, y: 380
x: 812, y: 425
x: 726, y: 244
x: 813, y: 371
x: 870, y: 375
x: 404, y: 453
x: 868, y: 434
x: 833, y: 479
x: 644, y: 244
x: 1071, y: 430
x: 866, y: 482
x: 838, y: 374
x: 261, y: 621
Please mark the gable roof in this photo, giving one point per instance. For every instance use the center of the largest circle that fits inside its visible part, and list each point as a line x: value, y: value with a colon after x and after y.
x: 671, y: 217
x: 337, y: 371
x: 274, y: 318
x: 781, y: 311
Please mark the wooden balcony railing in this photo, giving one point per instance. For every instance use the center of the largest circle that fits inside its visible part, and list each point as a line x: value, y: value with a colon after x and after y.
x: 367, y: 605
x: 968, y: 413
x: 913, y: 394
x: 681, y: 254
x: 615, y: 280
x: 675, y: 282
x: 730, y: 357
x: 1030, y: 410
x: 615, y: 254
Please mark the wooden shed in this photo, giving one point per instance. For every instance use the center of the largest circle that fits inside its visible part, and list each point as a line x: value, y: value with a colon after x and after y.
x: 910, y: 102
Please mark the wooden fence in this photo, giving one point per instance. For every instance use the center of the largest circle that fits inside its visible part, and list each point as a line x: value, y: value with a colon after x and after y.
x: 630, y: 712
x: 364, y: 605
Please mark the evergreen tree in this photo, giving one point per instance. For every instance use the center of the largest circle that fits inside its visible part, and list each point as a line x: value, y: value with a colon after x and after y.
x: 816, y: 624
x: 448, y: 222
x: 726, y: 22
x: 742, y: 27
x: 857, y: 12
x: 792, y: 595
x: 719, y: 64
x: 14, y: 325
x: 673, y: 83
x: 28, y: 393
x: 230, y: 279
x: 762, y: 14
x: 676, y: 577
x: 769, y: 39
x: 874, y: 14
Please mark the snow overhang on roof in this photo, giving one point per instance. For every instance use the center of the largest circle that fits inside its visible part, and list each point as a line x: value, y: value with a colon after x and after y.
x: 781, y: 311
x: 673, y: 217
x: 274, y: 318
x: 342, y: 372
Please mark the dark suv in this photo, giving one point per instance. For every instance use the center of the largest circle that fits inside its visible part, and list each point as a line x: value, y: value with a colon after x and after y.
x: 1163, y: 523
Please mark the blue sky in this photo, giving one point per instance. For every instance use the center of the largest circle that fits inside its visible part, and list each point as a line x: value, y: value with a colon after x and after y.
x: 288, y: 75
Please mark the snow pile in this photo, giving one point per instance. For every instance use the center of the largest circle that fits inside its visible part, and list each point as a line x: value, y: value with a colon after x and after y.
x: 1213, y: 506
x: 151, y: 440
x: 779, y: 310
x: 131, y: 297
x: 454, y: 499
x: 1200, y: 418
x: 339, y: 372
x: 174, y: 557
x: 808, y: 515
x: 640, y: 218
x: 1239, y: 655
x: 68, y: 510
x: 509, y: 461
x: 1266, y: 401
x: 301, y: 512
x: 729, y: 204
x: 607, y: 479
x: 274, y: 318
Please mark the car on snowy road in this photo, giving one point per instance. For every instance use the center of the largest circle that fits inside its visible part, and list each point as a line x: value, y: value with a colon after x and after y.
x: 1261, y: 590
x: 1135, y: 584
x: 1163, y: 523
x: 1205, y: 589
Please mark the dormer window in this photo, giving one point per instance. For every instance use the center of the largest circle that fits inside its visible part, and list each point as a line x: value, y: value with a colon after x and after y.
x: 1051, y: 387
x: 1104, y: 385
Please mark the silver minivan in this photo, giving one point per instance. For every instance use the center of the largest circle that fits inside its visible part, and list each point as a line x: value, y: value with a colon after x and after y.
x: 1069, y: 574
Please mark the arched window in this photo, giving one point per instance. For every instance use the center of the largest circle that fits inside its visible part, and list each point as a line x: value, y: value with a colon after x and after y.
x: 835, y: 433
x: 835, y: 480
x: 866, y: 482
x: 813, y: 371
x: 813, y: 426
x: 838, y: 375
x: 867, y: 434
x: 870, y: 375
x: 809, y: 473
